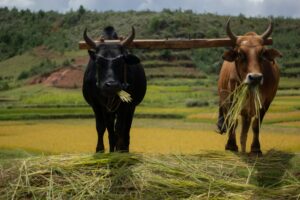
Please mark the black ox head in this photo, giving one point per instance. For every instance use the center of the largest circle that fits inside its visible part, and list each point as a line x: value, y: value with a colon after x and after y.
x: 111, y: 61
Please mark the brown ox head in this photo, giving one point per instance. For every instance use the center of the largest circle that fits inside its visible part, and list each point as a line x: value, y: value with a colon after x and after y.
x: 250, y: 55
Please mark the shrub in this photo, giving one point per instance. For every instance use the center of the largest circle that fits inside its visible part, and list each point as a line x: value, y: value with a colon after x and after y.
x: 66, y: 63
x: 44, y: 67
x: 23, y: 75
x: 196, y: 103
x: 4, y: 86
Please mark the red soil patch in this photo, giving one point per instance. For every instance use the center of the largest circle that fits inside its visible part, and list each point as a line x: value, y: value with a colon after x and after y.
x: 81, y: 60
x: 44, y: 52
x: 65, y: 77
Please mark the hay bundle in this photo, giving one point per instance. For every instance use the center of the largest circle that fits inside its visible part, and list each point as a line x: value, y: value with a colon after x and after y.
x: 124, y: 96
x: 209, y: 175
x: 71, y: 177
x: 238, y: 99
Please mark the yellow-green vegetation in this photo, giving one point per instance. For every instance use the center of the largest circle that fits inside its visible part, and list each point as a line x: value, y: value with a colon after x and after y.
x: 11, y: 67
x: 291, y: 124
x: 165, y: 98
x: 43, y: 95
x: 147, y: 136
x: 124, y: 96
x: 176, y: 119
x: 206, y: 175
x: 242, y: 96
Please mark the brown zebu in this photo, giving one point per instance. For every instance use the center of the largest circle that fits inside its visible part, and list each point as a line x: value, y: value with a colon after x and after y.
x: 250, y: 62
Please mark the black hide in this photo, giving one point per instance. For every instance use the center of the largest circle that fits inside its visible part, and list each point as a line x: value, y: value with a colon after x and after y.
x: 111, y: 69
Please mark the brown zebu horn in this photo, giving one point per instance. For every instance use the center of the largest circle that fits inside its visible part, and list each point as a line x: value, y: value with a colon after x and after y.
x: 231, y: 35
x: 129, y: 39
x: 268, y: 32
x: 88, y: 40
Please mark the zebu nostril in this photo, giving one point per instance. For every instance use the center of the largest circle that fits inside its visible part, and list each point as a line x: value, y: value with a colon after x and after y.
x: 111, y: 84
x: 111, y: 87
x: 254, y: 78
x: 108, y: 84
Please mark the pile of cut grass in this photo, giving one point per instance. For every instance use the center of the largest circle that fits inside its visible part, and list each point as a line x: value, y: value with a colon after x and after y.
x: 209, y: 175
x: 242, y: 95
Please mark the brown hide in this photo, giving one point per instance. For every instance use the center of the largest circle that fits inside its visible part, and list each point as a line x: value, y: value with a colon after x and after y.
x: 249, y: 62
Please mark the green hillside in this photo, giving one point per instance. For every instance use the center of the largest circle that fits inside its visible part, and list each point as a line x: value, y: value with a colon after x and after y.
x: 23, y: 30
x: 178, y: 113
x: 36, y: 43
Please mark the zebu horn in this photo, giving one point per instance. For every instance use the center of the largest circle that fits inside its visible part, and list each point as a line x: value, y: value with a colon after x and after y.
x: 269, y: 31
x: 230, y: 34
x: 129, y: 39
x: 88, y: 40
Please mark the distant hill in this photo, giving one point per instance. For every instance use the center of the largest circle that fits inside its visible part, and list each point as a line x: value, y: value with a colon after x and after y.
x: 23, y: 31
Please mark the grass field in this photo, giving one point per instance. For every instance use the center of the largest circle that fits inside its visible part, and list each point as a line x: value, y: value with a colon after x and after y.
x: 147, y: 136
x: 163, y: 122
x: 48, y: 137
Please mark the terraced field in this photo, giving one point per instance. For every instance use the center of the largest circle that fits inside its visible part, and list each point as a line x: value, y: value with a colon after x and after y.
x: 166, y: 136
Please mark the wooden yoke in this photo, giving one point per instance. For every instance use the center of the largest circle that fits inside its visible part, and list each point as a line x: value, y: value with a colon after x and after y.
x: 174, y: 43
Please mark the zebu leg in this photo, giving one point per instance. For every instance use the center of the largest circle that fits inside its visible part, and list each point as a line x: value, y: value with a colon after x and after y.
x: 255, y: 146
x: 100, y: 126
x: 246, y: 121
x: 111, y: 131
x: 221, y: 127
x: 231, y: 142
x: 123, y: 125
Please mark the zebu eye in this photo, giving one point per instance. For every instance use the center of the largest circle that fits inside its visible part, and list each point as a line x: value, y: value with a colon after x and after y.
x: 100, y: 59
x: 242, y: 56
x: 262, y: 55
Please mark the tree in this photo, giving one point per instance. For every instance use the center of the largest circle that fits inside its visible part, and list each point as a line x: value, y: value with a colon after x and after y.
x: 81, y: 10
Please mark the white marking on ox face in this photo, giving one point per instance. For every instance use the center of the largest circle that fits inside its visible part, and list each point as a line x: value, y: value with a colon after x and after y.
x: 254, y: 79
x: 245, y: 42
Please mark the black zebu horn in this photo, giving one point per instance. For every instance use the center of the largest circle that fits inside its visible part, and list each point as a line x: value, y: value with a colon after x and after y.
x: 268, y: 32
x: 129, y: 39
x: 230, y: 34
x: 88, y: 40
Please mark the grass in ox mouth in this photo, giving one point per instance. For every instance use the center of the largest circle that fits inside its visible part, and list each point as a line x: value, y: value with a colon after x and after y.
x: 124, y: 96
x: 238, y: 99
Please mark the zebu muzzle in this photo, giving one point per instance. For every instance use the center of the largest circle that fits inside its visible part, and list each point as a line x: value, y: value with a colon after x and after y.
x: 110, y: 88
x: 114, y: 75
x: 254, y: 79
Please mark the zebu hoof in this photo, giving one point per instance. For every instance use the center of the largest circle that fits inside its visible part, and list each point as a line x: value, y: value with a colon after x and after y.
x: 221, y: 128
x: 256, y: 153
x: 99, y: 150
x: 123, y: 150
x: 233, y: 148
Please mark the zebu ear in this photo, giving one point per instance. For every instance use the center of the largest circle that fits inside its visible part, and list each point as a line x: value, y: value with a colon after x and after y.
x: 271, y: 54
x: 230, y: 55
x: 92, y: 54
x: 131, y: 59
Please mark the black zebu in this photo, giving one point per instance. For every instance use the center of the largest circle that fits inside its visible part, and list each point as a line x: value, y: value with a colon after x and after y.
x: 112, y: 69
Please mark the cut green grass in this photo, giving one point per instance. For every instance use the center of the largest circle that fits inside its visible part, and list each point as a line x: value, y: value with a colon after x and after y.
x: 15, y: 65
x: 289, y: 83
x: 39, y: 95
x: 207, y: 175
x: 237, y: 100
